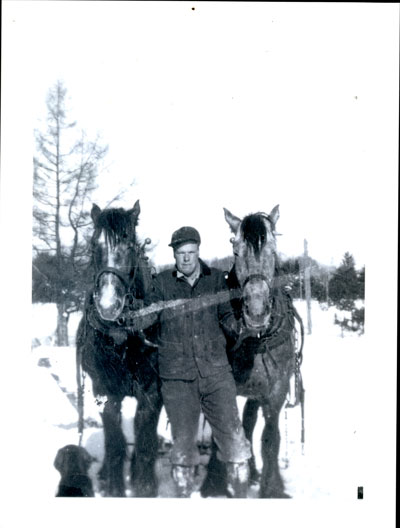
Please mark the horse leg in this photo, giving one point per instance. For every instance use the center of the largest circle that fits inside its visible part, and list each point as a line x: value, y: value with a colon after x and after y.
x: 271, y: 485
x: 215, y: 481
x: 250, y: 412
x: 111, y: 474
x: 143, y: 477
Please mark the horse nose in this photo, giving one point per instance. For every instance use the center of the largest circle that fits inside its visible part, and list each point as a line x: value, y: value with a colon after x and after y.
x: 110, y: 311
x: 108, y: 302
x: 257, y: 309
x: 256, y: 302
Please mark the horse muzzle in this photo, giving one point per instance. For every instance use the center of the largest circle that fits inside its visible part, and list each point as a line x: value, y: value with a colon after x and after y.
x: 110, y: 294
x: 256, y: 322
x: 109, y: 310
x: 256, y: 303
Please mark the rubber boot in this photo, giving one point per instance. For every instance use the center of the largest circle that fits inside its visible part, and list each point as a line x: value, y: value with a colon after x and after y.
x: 183, y: 477
x: 237, y: 475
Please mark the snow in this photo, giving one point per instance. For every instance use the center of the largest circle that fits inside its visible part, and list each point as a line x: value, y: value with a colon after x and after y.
x: 309, y: 475
x: 336, y: 457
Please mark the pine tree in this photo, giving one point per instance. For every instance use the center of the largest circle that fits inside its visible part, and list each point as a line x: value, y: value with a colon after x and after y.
x: 344, y: 285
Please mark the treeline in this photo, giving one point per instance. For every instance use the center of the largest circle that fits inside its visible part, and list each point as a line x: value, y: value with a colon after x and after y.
x: 336, y: 286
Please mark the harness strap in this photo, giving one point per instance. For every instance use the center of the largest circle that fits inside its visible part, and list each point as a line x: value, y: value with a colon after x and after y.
x: 275, y: 334
x: 80, y: 380
x: 113, y: 271
x: 255, y: 276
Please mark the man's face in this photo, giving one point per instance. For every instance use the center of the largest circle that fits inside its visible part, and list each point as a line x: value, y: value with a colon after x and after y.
x: 187, y: 258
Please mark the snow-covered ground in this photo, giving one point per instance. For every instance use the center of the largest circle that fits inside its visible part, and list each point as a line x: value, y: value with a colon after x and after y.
x: 333, y: 397
x: 336, y: 459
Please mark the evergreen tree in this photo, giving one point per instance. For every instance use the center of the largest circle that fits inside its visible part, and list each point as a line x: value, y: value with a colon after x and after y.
x: 344, y: 284
x: 361, y: 283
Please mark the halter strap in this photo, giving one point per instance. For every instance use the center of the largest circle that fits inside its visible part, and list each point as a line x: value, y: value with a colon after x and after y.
x: 255, y: 276
x: 117, y: 273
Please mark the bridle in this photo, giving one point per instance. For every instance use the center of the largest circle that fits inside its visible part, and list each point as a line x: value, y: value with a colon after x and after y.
x: 123, y: 277
x: 259, y: 276
x: 255, y: 277
x: 127, y: 280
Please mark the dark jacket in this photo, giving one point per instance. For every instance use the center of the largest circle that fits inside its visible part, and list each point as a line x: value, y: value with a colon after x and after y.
x: 191, y: 339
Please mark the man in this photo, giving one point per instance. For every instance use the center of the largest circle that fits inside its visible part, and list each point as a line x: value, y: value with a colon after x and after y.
x: 193, y: 365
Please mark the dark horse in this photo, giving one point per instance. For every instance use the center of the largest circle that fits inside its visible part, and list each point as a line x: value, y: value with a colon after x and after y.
x: 264, y: 356
x: 120, y: 362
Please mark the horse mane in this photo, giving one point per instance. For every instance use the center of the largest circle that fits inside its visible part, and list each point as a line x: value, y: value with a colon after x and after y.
x: 254, y: 231
x: 116, y: 224
x: 255, y: 234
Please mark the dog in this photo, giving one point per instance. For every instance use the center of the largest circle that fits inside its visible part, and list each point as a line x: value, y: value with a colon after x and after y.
x: 73, y: 463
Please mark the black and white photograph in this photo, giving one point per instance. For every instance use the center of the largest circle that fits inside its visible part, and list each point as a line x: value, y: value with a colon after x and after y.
x: 199, y: 210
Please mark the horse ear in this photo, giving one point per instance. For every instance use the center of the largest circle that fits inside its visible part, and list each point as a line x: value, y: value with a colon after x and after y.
x: 233, y: 221
x: 135, y: 211
x: 95, y: 213
x: 274, y: 215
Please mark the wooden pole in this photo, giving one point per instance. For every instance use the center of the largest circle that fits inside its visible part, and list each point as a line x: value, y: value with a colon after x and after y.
x: 327, y: 286
x: 307, y: 286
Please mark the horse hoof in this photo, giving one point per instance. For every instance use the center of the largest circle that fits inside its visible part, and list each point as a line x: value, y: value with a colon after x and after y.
x: 254, y: 478
x: 109, y: 491
x: 274, y: 495
x: 145, y: 492
x: 212, y: 490
x: 282, y: 495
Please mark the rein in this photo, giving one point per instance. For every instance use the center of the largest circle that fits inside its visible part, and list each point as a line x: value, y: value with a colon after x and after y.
x: 80, y: 381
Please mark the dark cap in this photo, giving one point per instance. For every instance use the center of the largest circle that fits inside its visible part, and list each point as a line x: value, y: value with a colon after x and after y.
x: 184, y: 235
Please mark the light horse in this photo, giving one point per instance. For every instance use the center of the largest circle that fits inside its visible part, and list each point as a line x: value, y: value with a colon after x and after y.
x: 263, y: 356
x: 120, y: 362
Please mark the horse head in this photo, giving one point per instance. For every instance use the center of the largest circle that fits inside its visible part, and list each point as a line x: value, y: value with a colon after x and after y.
x: 254, y: 248
x: 117, y: 258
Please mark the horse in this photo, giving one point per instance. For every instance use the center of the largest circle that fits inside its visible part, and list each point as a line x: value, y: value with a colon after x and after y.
x: 264, y: 356
x: 119, y: 361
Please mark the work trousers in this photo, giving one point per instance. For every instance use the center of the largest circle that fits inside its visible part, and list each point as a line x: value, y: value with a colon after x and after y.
x: 215, y: 396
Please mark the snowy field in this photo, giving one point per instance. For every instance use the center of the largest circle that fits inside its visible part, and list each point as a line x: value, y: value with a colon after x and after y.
x: 331, y: 412
x: 335, y: 460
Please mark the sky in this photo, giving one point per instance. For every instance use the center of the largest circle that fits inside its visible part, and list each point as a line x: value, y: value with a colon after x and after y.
x: 212, y: 105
